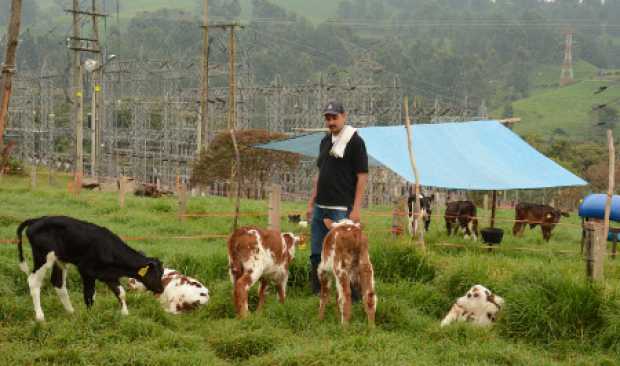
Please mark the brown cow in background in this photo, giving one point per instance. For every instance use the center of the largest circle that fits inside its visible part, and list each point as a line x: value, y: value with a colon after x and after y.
x: 535, y: 214
x: 461, y: 214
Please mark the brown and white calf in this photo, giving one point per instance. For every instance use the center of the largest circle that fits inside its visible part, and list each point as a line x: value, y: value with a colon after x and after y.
x: 181, y: 293
x: 256, y: 254
x: 345, y: 255
x: 478, y: 306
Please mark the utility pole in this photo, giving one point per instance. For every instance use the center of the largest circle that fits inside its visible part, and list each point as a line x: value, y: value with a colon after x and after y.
x: 232, y: 81
x: 8, y: 67
x: 77, y: 94
x: 203, y: 130
x: 566, y: 75
x: 81, y: 44
x: 96, y: 78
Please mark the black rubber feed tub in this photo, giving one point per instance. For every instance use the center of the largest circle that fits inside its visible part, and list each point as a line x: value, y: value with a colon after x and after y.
x: 492, y: 235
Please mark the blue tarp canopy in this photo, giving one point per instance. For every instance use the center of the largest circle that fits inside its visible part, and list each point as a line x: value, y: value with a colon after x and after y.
x: 481, y: 155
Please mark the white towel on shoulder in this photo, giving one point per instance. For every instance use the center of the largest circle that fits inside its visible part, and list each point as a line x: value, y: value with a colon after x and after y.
x: 341, y: 141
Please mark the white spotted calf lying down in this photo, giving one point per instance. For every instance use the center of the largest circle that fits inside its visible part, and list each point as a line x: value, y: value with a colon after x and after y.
x: 181, y: 293
x: 478, y: 306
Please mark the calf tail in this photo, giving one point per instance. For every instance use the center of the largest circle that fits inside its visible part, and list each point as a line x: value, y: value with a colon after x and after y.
x: 20, y: 252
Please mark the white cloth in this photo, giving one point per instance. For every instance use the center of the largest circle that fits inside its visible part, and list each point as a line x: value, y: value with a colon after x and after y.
x: 341, y: 140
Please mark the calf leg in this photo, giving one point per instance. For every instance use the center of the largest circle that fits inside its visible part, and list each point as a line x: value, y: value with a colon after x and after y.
x: 35, y: 280
x: 324, y: 281
x: 59, y: 280
x: 282, y: 289
x: 261, y: 293
x: 242, y: 286
x: 465, y: 226
x: 119, y: 291
x: 455, y: 313
x: 474, y: 229
x: 88, y: 285
x: 343, y: 284
x: 368, y: 291
x: 449, y: 227
x: 546, y: 232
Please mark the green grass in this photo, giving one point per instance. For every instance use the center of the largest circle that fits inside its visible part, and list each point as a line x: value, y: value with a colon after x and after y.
x: 550, y: 107
x: 548, y: 76
x: 552, y: 315
x: 568, y: 108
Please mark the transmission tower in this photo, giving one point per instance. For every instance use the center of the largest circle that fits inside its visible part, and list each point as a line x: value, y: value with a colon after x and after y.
x: 566, y: 75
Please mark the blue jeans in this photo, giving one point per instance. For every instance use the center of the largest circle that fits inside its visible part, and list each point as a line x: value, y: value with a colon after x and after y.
x: 318, y: 230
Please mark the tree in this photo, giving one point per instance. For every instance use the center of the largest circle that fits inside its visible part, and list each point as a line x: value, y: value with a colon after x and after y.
x: 598, y: 175
x: 606, y: 117
x: 257, y: 165
x: 30, y: 12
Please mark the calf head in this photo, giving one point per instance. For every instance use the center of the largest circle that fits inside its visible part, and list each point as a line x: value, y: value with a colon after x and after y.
x: 295, y: 219
x: 150, y: 275
x: 481, y: 302
x: 290, y: 240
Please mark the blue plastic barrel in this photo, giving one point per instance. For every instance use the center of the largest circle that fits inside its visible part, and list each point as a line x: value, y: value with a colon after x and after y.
x: 593, y: 206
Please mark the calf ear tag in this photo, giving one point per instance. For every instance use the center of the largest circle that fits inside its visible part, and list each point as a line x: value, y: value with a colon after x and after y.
x: 142, y: 271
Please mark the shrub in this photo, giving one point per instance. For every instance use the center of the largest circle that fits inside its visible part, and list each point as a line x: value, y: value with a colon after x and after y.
x: 546, y: 307
x: 244, y: 346
x: 393, y: 263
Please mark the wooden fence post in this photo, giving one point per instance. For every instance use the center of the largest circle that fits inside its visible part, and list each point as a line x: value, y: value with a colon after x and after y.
x: 485, y: 201
x: 595, y: 246
x: 33, y: 177
x: 122, y: 188
x: 274, y: 207
x: 50, y: 175
x: 182, y: 197
x: 77, y: 184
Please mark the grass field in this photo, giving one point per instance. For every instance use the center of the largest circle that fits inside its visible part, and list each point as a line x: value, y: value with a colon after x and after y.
x: 568, y: 108
x: 552, y: 315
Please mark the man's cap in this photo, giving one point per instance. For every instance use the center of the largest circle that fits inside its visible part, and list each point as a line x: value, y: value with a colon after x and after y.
x: 333, y: 108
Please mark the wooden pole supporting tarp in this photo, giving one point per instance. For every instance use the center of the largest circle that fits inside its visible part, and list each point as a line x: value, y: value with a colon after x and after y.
x: 238, y: 172
x: 416, y: 211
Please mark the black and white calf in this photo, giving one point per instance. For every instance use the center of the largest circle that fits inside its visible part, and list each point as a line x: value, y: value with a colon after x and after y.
x: 97, y: 252
x: 478, y: 306
x: 426, y: 211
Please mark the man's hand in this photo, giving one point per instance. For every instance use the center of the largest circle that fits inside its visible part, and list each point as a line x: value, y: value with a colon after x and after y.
x: 309, y: 213
x: 355, y: 214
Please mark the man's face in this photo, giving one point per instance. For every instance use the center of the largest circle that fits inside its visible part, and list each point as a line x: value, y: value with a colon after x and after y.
x: 335, y: 122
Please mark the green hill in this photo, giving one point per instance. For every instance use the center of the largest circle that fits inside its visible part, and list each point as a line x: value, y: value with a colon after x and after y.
x: 548, y: 76
x: 569, y: 108
x: 315, y: 10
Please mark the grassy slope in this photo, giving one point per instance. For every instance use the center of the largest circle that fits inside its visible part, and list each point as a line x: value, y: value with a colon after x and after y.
x: 409, y: 309
x: 549, y: 75
x: 569, y: 108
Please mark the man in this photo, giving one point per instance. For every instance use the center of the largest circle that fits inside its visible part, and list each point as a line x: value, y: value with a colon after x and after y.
x: 339, y: 187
